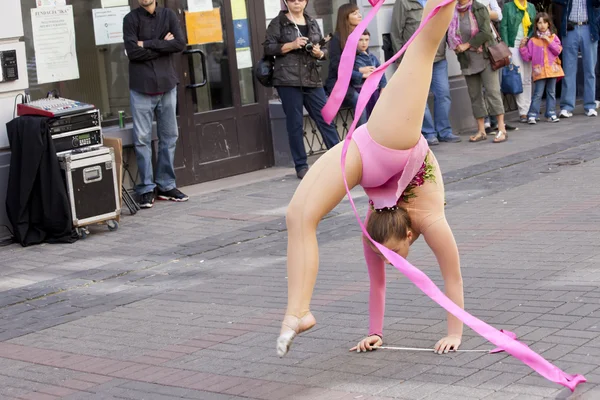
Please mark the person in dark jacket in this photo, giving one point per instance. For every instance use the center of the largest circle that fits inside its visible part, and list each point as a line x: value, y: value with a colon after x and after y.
x: 293, y: 38
x: 348, y: 18
x: 152, y: 36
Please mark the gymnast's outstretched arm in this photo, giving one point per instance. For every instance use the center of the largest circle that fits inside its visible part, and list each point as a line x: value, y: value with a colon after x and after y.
x: 398, y: 115
x: 440, y: 239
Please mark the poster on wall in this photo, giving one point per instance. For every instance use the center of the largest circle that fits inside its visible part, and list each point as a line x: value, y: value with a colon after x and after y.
x: 204, y: 27
x: 272, y: 8
x: 108, y: 24
x: 199, y: 5
x: 241, y: 34
x: 50, y: 3
x: 114, y: 3
x: 54, y: 44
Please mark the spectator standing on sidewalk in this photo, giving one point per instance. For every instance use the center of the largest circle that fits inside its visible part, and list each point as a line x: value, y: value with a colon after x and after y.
x: 406, y: 18
x: 516, y: 27
x: 543, y: 50
x: 348, y: 18
x: 152, y: 35
x: 578, y: 30
x: 495, y: 9
x: 297, y: 76
x: 469, y: 35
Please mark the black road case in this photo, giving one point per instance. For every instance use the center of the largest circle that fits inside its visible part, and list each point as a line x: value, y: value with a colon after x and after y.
x: 92, y: 185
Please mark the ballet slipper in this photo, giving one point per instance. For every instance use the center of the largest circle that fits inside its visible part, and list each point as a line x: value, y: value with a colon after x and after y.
x: 290, y: 328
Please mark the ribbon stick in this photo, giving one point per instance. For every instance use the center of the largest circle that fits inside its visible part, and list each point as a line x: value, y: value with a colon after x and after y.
x: 506, y: 341
x: 430, y: 350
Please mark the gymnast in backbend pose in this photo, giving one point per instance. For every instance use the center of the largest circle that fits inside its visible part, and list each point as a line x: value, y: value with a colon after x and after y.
x: 390, y: 159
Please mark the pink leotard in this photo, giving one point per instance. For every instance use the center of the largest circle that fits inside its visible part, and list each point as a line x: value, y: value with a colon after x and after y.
x: 385, y: 176
x: 387, y: 172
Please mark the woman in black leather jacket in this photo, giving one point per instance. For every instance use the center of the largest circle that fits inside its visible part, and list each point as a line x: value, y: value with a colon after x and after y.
x: 293, y: 37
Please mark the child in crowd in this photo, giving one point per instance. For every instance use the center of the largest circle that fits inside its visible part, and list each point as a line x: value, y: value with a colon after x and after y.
x: 543, y: 50
x: 365, y: 64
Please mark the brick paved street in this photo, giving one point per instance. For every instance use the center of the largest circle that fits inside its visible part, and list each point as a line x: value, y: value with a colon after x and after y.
x: 184, y: 301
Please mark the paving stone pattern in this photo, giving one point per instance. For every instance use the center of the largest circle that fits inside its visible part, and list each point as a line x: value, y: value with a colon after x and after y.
x: 184, y: 301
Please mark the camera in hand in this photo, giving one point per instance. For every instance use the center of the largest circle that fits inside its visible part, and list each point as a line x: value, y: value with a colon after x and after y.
x: 310, y: 46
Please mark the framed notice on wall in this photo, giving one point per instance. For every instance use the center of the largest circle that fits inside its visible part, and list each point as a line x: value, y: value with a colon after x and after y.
x: 54, y: 44
x: 108, y: 24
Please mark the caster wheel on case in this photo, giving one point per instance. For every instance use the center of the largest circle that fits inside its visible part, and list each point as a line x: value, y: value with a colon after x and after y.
x: 112, y: 225
x: 83, y: 233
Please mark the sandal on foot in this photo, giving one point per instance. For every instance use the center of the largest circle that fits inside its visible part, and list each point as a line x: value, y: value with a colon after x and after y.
x: 478, y: 137
x: 500, y: 137
x: 292, y: 326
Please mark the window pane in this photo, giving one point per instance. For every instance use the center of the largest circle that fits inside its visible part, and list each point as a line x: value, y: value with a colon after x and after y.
x: 243, y: 50
x: 103, y: 70
x: 217, y: 92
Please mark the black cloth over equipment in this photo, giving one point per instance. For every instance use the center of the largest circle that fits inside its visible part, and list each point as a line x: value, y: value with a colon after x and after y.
x: 36, y: 200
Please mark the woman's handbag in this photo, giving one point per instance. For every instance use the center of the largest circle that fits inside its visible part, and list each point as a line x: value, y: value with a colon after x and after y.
x: 511, y: 80
x: 263, y: 70
x: 499, y: 53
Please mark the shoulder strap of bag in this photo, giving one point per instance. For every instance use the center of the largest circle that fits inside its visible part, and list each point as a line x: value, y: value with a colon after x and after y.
x: 498, y: 38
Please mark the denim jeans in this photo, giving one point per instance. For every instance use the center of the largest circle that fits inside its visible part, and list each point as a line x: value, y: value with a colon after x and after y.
x: 579, y: 39
x: 439, y: 124
x: 350, y: 101
x: 143, y: 109
x: 293, y: 98
x: 538, y: 91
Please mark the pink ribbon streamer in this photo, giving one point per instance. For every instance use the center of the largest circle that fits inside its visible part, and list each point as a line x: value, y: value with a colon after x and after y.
x: 506, y: 341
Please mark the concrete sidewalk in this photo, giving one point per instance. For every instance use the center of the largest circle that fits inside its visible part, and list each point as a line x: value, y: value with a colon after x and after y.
x: 185, y: 300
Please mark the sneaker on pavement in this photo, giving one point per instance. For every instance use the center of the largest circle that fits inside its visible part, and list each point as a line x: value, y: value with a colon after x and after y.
x: 597, y: 103
x: 432, y: 140
x: 565, y: 114
x: 491, y: 129
x: 553, y: 118
x: 494, y: 128
x: 147, y: 200
x: 451, y: 138
x: 173, y: 195
x: 532, y: 121
x: 591, y: 113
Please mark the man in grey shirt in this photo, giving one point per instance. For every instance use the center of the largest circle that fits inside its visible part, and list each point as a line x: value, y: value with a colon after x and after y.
x: 406, y: 18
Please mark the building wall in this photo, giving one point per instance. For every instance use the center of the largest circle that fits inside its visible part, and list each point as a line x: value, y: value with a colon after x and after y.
x: 11, y: 31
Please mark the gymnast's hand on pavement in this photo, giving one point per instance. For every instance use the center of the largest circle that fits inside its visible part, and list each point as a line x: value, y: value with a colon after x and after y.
x: 367, y: 344
x: 449, y: 343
